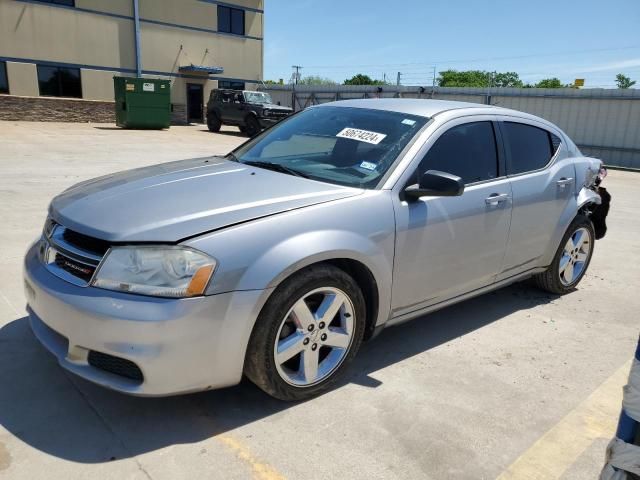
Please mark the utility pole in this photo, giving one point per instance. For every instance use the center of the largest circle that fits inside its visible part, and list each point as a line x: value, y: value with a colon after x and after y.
x: 296, y: 76
x: 488, y: 96
x: 398, y: 79
x: 433, y: 82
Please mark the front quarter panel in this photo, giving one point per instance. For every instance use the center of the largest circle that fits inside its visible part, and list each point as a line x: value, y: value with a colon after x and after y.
x: 261, y: 254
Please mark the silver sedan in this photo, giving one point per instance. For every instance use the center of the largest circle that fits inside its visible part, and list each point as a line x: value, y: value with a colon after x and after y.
x: 278, y: 260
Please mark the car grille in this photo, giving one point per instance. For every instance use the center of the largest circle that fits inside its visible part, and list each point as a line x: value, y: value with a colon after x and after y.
x: 84, y: 242
x: 115, y: 365
x: 275, y: 114
x: 72, y: 256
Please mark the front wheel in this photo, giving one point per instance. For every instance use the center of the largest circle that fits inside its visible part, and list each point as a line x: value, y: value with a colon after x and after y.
x: 309, y: 330
x: 571, y: 259
x: 252, y: 126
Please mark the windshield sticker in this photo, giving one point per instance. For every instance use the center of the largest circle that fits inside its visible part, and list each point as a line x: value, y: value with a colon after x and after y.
x: 368, y: 165
x: 408, y: 121
x: 361, y: 135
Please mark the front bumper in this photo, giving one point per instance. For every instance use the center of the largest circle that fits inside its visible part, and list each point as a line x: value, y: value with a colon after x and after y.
x: 180, y: 345
x: 267, y: 122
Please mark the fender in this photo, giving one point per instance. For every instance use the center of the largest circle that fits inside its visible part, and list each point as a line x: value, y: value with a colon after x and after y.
x: 294, y: 254
x: 251, y: 113
x: 260, y: 254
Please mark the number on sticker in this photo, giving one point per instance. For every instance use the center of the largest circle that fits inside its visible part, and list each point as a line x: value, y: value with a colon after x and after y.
x: 361, y: 135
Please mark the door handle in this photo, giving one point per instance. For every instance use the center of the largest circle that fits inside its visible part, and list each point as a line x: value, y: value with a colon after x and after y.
x: 564, y: 181
x: 496, y: 198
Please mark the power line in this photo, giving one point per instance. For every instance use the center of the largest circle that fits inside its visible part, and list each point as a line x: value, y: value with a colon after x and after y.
x: 555, y: 54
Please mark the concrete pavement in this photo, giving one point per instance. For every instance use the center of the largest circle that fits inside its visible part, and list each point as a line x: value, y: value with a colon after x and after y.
x: 466, y: 392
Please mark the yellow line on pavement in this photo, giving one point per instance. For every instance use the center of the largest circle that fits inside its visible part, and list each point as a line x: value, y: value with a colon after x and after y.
x: 553, y: 453
x: 261, y: 471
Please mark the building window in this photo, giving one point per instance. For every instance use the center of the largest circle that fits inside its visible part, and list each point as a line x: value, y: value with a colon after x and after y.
x: 59, y: 82
x: 4, y: 82
x: 66, y: 3
x: 230, y: 20
x: 230, y: 85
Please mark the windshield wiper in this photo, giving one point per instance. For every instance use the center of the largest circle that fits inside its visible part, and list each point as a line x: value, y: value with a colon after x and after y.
x: 276, y: 167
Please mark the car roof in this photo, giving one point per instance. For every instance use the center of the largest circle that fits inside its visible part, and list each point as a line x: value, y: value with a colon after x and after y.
x: 412, y: 106
x: 233, y: 90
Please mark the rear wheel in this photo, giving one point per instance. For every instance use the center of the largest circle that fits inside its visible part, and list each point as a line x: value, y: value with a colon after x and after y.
x: 571, y: 259
x: 252, y: 126
x: 309, y: 330
x: 213, y: 122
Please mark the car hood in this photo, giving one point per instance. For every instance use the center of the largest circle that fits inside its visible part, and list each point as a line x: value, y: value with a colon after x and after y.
x: 173, y: 201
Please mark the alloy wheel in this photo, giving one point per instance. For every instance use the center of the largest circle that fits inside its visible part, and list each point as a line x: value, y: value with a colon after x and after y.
x: 314, y: 337
x: 575, y: 256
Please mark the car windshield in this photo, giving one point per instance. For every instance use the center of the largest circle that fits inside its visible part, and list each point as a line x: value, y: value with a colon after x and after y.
x: 342, y: 145
x: 257, y: 97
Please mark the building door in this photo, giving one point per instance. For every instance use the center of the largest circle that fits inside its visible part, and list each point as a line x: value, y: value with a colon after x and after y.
x: 195, y: 101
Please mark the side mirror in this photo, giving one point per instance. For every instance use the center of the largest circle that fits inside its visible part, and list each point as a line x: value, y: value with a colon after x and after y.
x: 435, y: 184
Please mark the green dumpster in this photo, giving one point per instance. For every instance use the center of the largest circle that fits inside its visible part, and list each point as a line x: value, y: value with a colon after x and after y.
x: 142, y: 102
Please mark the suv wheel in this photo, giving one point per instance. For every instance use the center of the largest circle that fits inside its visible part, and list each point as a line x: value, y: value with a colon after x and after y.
x: 308, y: 331
x: 571, y: 259
x: 213, y: 122
x: 252, y: 126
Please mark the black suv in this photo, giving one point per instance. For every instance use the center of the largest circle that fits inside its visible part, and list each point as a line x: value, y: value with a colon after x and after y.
x: 250, y: 111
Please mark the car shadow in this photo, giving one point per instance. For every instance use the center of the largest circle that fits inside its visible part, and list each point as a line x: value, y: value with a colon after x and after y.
x: 69, y: 418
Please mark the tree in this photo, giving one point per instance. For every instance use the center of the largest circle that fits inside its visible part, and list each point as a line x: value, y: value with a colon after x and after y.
x: 549, y: 83
x: 361, y: 79
x: 507, y: 79
x: 478, y: 79
x: 273, y: 82
x: 465, y: 78
x: 624, y: 82
x: 316, y: 80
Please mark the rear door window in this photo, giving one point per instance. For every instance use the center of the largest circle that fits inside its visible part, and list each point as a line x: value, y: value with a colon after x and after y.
x: 467, y: 150
x: 529, y: 148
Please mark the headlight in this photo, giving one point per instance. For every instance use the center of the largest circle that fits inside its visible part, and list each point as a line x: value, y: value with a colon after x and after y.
x: 266, y: 112
x: 159, y: 271
x: 49, y: 224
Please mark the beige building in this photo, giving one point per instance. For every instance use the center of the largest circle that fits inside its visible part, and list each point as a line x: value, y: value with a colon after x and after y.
x: 60, y: 56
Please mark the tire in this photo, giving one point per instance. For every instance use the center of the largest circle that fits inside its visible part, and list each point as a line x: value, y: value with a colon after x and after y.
x: 285, y: 321
x: 242, y: 129
x: 252, y: 126
x: 560, y: 280
x: 213, y: 122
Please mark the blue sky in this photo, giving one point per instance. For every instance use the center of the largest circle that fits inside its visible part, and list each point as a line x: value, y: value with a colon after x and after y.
x: 568, y: 39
